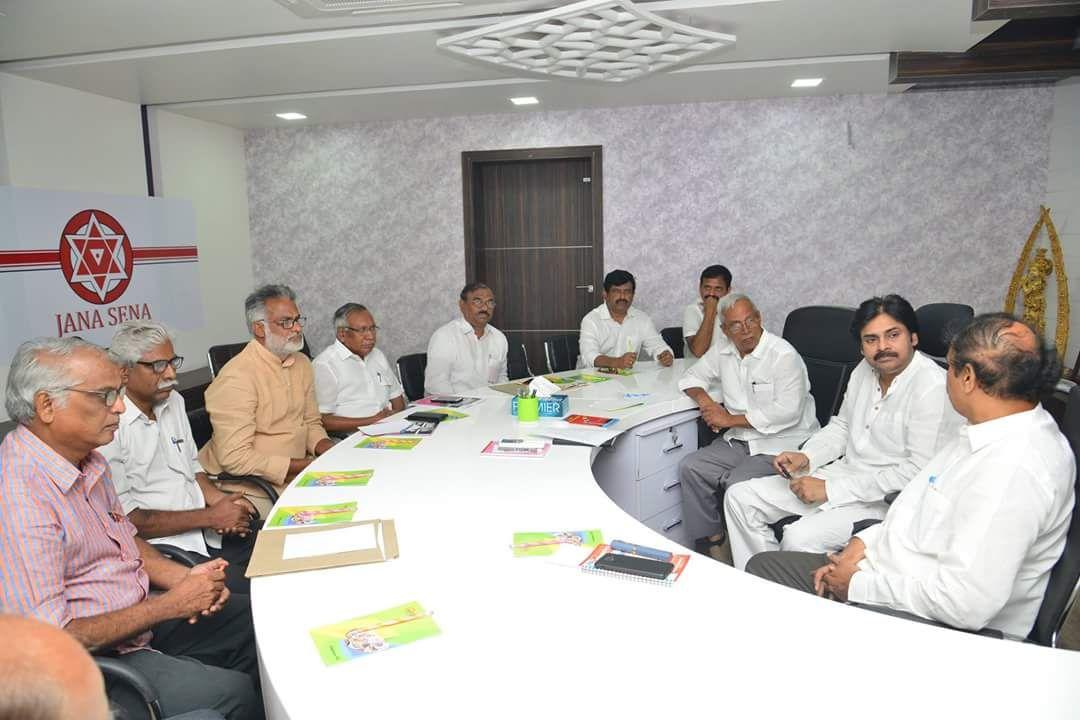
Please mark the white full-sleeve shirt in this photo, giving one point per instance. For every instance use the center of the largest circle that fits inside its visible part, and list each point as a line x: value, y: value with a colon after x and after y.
x: 882, y: 441
x: 769, y: 386
x: 972, y: 539
x: 154, y: 463
x: 351, y: 386
x: 601, y: 334
x: 693, y: 316
x: 457, y: 360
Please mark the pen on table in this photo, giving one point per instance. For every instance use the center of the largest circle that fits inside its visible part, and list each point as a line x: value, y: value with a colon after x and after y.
x: 648, y: 552
x: 626, y: 407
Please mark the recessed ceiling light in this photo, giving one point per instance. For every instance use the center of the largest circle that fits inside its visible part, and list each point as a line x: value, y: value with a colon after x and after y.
x: 292, y: 116
x: 530, y: 100
x: 806, y: 82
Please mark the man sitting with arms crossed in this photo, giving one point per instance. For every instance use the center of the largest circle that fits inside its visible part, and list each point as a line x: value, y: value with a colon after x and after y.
x: 765, y: 406
x: 893, y: 418
x: 69, y: 555
x: 155, y: 464
x: 262, y: 403
x: 701, y: 319
x: 467, y: 352
x: 971, y: 540
x: 612, y: 333
x: 353, y: 382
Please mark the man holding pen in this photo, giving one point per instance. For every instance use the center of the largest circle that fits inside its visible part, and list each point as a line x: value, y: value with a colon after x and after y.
x: 613, y: 333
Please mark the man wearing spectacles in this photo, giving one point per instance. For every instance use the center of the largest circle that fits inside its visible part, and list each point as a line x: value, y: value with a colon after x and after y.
x: 467, y: 352
x: 70, y: 557
x: 262, y: 404
x: 763, y: 406
x: 613, y: 333
x: 353, y: 381
x: 155, y: 465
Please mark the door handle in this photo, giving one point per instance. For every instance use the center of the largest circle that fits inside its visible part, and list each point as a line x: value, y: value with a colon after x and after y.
x: 677, y: 523
x: 588, y: 288
x: 672, y: 449
x: 671, y: 486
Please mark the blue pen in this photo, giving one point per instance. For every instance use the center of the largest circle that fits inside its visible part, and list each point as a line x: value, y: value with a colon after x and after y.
x: 662, y: 555
x: 933, y: 478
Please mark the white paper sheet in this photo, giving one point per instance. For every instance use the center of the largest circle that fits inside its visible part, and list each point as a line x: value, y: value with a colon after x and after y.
x: 328, y: 542
x: 386, y: 427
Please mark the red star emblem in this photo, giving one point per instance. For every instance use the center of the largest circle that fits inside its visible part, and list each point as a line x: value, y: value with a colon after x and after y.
x: 96, y: 256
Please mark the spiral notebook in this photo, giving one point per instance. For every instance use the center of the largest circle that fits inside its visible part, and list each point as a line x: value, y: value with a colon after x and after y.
x: 589, y: 565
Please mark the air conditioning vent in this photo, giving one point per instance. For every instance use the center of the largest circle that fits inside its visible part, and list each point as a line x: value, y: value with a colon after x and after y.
x: 344, y: 8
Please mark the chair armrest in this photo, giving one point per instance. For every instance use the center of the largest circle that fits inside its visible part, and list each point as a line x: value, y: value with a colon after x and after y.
x: 124, y: 674
x: 891, y: 497
x: 258, y: 482
x: 180, y: 555
x: 903, y: 615
x: 858, y: 527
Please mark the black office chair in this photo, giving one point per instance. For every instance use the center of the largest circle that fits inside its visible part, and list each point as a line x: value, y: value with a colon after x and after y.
x: 201, y: 430
x: 411, y: 368
x: 938, y: 322
x: 517, y: 361
x: 218, y: 355
x: 562, y: 352
x: 1061, y: 590
x: 674, y: 338
x: 822, y: 336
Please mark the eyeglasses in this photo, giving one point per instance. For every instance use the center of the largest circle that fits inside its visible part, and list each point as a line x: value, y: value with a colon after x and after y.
x: 362, y: 330
x: 289, y: 322
x: 742, y: 325
x: 158, y: 366
x: 478, y: 303
x: 108, y: 397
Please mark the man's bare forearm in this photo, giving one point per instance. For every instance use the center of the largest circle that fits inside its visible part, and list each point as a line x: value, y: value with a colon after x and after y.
x: 106, y: 630
x: 162, y: 523
x: 163, y: 572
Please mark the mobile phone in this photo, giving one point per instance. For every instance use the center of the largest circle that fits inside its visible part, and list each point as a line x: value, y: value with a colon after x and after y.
x: 447, y: 399
x: 428, y: 417
x: 784, y: 471
x: 634, y: 565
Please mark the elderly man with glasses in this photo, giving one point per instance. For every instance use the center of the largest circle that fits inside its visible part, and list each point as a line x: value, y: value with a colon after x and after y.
x: 467, y: 352
x: 155, y: 465
x: 262, y: 404
x: 70, y: 557
x: 353, y: 381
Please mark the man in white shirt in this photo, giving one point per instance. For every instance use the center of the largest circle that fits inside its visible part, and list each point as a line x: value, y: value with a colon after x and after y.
x: 971, y: 540
x: 894, y: 417
x: 613, y: 333
x: 701, y: 319
x: 764, y: 407
x: 155, y: 464
x: 354, y: 384
x: 468, y: 352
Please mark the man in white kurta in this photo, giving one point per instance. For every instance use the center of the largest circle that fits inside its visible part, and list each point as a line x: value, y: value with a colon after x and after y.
x: 972, y: 539
x: 764, y: 406
x: 894, y: 417
x: 612, y: 334
x: 467, y: 352
x: 701, y: 318
x: 354, y: 384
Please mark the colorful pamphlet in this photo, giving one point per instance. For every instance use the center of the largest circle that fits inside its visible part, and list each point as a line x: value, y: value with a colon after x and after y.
x: 516, y: 447
x: 575, y: 380
x: 625, y: 372
x: 389, y: 443
x: 450, y: 413
x: 591, y: 420
x: 542, y: 544
x: 678, y: 563
x: 313, y: 514
x: 370, y: 634
x: 335, y: 478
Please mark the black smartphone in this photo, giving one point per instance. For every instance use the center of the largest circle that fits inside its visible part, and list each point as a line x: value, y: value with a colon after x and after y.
x: 446, y: 399
x: 428, y: 417
x: 634, y: 565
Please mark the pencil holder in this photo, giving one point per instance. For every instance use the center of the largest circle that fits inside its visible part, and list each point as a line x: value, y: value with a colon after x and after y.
x: 528, y: 409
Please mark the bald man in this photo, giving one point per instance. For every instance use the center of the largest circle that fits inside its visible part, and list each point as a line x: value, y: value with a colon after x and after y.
x: 971, y: 540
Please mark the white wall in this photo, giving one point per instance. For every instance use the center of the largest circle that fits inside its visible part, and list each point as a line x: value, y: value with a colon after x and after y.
x: 1063, y: 196
x: 57, y: 138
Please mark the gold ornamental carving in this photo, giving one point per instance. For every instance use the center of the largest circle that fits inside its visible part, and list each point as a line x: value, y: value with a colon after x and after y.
x: 1030, y: 279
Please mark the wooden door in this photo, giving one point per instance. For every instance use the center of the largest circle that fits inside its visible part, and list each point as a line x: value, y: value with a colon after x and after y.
x: 534, y: 233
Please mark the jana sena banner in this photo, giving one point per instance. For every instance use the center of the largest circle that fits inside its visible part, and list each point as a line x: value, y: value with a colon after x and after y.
x: 82, y: 263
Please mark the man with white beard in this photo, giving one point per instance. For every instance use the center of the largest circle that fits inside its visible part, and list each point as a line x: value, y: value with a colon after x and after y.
x: 262, y: 404
x: 155, y: 466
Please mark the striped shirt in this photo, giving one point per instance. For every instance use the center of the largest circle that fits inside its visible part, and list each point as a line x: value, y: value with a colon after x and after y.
x: 67, y: 550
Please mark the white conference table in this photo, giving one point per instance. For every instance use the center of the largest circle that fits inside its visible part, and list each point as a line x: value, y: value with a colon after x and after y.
x: 531, y: 639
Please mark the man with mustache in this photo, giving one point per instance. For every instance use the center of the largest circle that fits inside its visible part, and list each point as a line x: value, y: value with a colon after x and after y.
x: 353, y: 381
x: 894, y: 417
x: 613, y: 333
x: 701, y: 319
x: 155, y: 465
x: 262, y: 404
x: 467, y: 352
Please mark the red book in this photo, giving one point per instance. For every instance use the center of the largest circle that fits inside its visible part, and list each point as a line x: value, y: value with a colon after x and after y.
x: 591, y: 420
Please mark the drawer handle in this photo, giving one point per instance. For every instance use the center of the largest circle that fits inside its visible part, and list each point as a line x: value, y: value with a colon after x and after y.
x: 672, y: 449
x: 672, y: 486
x: 677, y: 523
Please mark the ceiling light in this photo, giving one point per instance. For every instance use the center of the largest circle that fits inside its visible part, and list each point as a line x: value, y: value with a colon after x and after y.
x: 292, y: 116
x: 530, y: 100
x: 806, y: 82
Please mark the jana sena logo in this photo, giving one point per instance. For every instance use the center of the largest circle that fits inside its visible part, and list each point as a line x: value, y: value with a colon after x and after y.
x: 96, y: 256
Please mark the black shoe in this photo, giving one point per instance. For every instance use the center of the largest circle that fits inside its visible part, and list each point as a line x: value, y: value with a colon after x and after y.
x: 704, y: 545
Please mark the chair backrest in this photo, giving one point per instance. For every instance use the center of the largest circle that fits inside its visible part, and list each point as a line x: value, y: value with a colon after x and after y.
x: 411, y: 369
x: 822, y: 336
x: 218, y: 355
x: 1066, y: 572
x: 201, y: 429
x: 517, y: 361
x: 938, y: 322
x: 562, y: 352
x: 674, y: 338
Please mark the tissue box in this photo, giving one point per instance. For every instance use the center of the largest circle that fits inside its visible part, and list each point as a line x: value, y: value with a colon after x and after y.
x: 556, y: 406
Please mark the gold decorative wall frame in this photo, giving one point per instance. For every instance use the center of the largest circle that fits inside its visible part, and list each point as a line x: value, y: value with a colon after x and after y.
x: 1061, y: 330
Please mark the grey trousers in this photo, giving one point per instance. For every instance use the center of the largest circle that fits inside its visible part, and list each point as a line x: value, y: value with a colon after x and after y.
x: 712, y: 470
x: 794, y: 569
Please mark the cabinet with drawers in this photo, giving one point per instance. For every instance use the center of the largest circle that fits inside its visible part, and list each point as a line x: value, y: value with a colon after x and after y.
x: 640, y: 471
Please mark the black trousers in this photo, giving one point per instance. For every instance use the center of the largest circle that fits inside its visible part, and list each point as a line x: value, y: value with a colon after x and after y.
x: 794, y: 569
